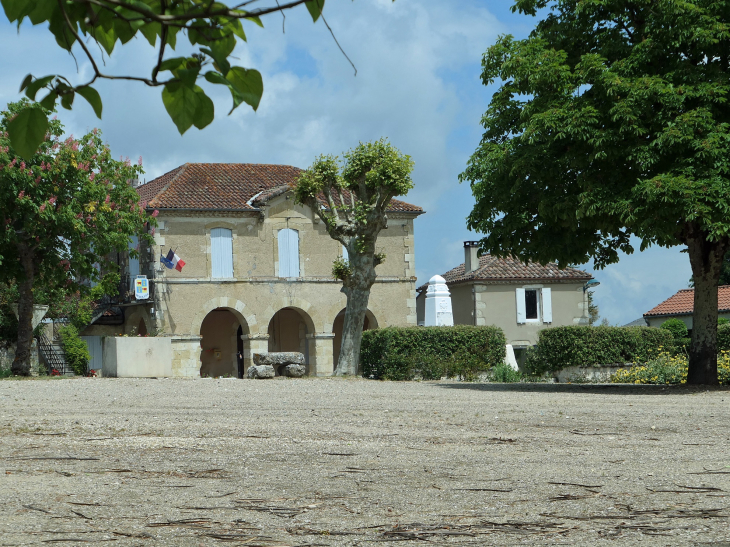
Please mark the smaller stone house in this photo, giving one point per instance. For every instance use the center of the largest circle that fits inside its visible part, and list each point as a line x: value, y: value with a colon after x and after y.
x: 681, y: 305
x: 521, y: 299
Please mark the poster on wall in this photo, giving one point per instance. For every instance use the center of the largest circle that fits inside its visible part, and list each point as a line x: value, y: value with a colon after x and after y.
x: 141, y: 287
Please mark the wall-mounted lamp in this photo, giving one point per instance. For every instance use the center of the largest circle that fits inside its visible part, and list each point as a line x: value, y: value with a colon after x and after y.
x: 592, y: 283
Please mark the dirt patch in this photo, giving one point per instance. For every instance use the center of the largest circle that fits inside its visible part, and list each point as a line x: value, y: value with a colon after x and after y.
x: 354, y: 462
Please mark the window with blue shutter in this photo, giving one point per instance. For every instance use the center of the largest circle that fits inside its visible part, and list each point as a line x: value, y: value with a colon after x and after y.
x: 288, y: 253
x: 221, y: 253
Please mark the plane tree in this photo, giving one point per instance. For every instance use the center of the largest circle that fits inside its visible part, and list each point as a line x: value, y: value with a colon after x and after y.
x: 351, y: 198
x: 611, y: 121
x: 64, y: 211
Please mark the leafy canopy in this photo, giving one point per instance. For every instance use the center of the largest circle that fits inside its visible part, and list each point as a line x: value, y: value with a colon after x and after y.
x: 213, y: 28
x: 70, y: 205
x: 611, y: 120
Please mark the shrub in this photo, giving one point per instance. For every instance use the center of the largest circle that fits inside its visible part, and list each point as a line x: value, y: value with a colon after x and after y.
x: 723, y: 321
x: 560, y: 347
x: 676, y: 327
x: 502, y: 372
x: 723, y: 338
x: 75, y: 350
x: 668, y: 369
x: 397, y: 353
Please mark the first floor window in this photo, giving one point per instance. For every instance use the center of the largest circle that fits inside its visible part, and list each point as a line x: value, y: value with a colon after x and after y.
x: 221, y: 253
x: 534, y: 305
x: 288, y: 253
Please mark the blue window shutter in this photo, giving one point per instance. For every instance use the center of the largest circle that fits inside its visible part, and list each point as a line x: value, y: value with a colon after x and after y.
x: 288, y: 253
x: 345, y: 255
x: 521, y: 311
x: 547, y: 306
x: 221, y: 250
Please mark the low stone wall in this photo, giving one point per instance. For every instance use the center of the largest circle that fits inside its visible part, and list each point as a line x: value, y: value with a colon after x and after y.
x: 137, y: 357
x: 600, y: 374
x: 186, y: 356
x: 7, y: 356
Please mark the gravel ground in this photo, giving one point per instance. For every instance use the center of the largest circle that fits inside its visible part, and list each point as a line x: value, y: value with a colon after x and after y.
x: 331, y: 462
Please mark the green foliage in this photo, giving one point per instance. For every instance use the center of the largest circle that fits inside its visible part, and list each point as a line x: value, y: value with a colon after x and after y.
x: 724, y: 273
x: 75, y: 350
x: 561, y: 347
x: 213, y: 28
x: 397, y: 353
x: 723, y: 338
x: 722, y: 321
x: 676, y: 327
x: 593, y: 312
x: 70, y: 205
x: 663, y: 369
x: 341, y: 269
x: 611, y: 121
x: 502, y: 372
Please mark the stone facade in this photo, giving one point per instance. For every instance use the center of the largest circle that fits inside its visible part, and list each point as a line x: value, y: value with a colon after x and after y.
x: 214, y: 320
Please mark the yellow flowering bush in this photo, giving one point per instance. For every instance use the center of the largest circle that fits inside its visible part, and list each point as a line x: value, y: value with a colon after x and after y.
x: 668, y: 369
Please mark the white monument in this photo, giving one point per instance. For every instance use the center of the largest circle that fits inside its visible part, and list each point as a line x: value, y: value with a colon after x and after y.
x: 438, y: 304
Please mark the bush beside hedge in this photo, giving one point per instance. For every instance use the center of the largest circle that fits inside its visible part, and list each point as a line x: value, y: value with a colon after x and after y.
x: 723, y: 337
x: 561, y: 347
x: 75, y: 350
x: 397, y: 353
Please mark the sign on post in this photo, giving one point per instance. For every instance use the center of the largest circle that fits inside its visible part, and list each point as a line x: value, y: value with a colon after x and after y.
x: 141, y: 287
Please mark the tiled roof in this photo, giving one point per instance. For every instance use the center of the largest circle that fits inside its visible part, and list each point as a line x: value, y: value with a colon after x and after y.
x: 682, y: 303
x: 227, y: 187
x: 493, y: 269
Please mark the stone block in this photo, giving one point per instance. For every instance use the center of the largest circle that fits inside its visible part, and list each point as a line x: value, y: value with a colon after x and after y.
x: 260, y: 371
x: 295, y: 371
x: 277, y: 359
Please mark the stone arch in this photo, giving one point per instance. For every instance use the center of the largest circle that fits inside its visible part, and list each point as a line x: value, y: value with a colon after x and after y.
x: 236, y: 307
x: 370, y: 322
x: 226, y: 336
x: 292, y: 329
x: 135, y: 319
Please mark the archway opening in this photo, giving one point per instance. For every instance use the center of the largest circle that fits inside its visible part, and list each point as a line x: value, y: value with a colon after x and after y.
x: 142, y: 328
x: 288, y: 330
x: 220, y: 344
x: 369, y: 323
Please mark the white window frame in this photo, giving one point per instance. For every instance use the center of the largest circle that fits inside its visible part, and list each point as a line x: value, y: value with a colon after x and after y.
x: 544, y: 305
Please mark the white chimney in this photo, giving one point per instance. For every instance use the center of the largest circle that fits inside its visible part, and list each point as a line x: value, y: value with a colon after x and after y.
x: 471, y: 258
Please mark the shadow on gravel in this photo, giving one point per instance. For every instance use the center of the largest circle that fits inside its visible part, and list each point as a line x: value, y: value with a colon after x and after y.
x: 603, y: 389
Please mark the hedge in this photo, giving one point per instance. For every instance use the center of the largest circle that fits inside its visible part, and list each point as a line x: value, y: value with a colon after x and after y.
x: 561, y: 347
x: 723, y: 337
x: 401, y: 353
x: 75, y: 350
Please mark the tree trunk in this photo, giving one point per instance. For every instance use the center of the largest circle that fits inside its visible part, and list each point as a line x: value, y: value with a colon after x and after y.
x: 21, y: 363
x: 706, y: 260
x: 357, y: 307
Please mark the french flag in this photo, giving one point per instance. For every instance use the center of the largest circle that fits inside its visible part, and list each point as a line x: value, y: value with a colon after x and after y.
x: 175, y: 260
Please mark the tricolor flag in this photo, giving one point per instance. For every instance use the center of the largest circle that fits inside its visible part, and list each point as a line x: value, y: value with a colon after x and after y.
x: 172, y: 261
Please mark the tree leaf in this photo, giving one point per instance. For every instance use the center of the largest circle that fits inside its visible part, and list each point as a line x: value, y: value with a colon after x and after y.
x: 172, y: 64
x: 315, y: 8
x: 27, y: 131
x: 49, y: 101
x: 28, y: 79
x: 247, y: 83
x: 181, y: 103
x: 93, y: 97
x: 31, y: 89
x: 205, y: 112
x: 151, y: 31
x: 67, y: 100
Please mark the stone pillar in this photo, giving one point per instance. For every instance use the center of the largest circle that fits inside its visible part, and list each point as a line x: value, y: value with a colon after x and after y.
x: 321, y: 347
x: 438, y: 304
x: 186, y: 356
x: 253, y: 343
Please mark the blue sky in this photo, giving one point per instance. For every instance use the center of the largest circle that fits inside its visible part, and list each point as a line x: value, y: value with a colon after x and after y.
x: 417, y: 83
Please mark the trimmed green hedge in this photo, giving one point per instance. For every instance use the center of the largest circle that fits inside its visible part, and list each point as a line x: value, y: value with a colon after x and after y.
x: 561, y: 347
x: 723, y: 337
x: 398, y: 353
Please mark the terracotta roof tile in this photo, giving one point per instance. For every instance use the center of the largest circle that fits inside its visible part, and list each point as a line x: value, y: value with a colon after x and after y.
x: 493, y: 269
x: 682, y: 303
x: 227, y: 186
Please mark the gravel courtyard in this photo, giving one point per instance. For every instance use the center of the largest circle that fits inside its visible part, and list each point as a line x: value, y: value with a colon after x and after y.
x: 325, y: 462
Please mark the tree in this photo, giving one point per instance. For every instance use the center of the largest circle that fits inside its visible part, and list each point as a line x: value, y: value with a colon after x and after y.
x: 64, y: 211
x: 724, y: 272
x: 351, y: 198
x: 593, y: 311
x: 611, y: 121
x: 213, y: 27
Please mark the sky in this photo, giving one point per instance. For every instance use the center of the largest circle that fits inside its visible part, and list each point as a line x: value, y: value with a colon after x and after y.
x: 418, y: 84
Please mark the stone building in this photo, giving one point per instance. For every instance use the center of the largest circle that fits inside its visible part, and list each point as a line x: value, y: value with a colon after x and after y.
x: 257, y: 274
x: 521, y: 299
